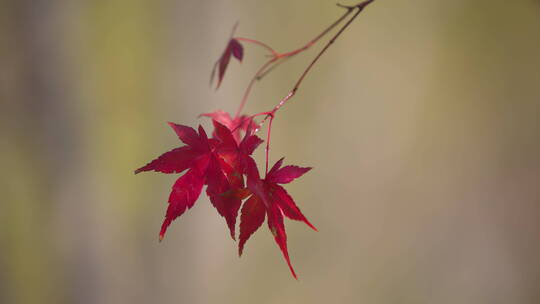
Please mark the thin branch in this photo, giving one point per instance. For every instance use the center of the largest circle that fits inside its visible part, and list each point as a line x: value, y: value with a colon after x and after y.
x: 314, y: 40
x: 284, y: 56
x: 359, y: 7
x: 278, y: 58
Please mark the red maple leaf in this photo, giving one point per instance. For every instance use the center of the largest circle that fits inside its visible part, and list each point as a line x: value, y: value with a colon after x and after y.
x: 234, y: 48
x: 271, y: 200
x: 207, y: 161
x: 225, y: 175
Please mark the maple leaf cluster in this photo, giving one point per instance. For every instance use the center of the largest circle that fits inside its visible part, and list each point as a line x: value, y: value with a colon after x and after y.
x: 224, y: 163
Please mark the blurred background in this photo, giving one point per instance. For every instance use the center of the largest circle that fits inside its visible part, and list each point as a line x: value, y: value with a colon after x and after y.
x: 421, y: 123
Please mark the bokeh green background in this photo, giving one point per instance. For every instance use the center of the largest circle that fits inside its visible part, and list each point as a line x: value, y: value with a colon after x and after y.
x: 421, y: 123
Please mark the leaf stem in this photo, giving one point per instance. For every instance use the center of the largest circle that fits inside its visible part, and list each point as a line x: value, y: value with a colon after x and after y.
x: 267, y: 149
x: 259, y: 43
